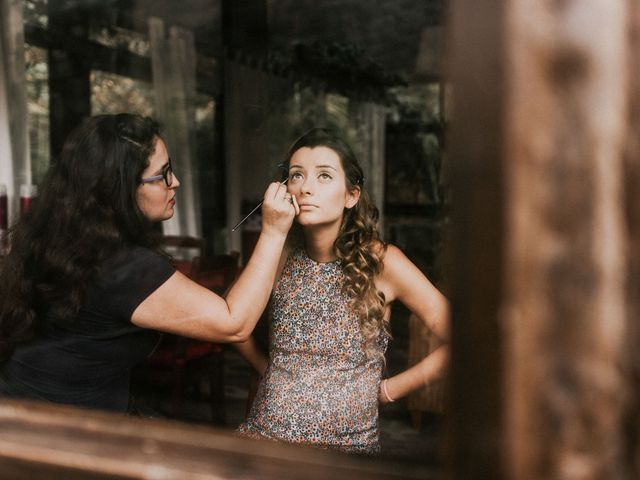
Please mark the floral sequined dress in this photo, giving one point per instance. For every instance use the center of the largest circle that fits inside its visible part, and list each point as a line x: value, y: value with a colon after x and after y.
x: 319, y: 389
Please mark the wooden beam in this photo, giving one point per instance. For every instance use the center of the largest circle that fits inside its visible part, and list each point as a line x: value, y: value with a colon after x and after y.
x: 119, y: 61
x: 46, y: 441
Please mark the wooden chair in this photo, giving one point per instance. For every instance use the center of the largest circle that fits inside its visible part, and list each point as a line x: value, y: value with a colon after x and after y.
x: 194, y: 363
x: 183, y: 249
x: 216, y: 273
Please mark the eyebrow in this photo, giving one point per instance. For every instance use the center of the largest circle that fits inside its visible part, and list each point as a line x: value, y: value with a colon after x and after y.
x: 318, y: 167
x: 159, y: 172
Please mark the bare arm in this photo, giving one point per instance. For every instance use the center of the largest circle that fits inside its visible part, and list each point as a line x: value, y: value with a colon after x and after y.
x: 403, y: 281
x: 253, y: 354
x: 185, y: 308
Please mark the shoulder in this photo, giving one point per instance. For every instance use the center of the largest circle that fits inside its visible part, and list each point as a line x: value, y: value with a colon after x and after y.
x: 134, y: 260
x: 398, y: 272
x: 134, y: 253
x: 393, y: 258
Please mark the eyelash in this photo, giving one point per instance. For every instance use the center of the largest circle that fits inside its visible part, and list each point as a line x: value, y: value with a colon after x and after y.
x: 297, y: 175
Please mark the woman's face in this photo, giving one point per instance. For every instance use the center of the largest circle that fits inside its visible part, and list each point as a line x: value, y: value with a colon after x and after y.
x: 156, y: 199
x: 317, y: 179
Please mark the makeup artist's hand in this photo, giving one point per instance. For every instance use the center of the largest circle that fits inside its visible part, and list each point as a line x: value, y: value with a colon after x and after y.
x: 278, y: 209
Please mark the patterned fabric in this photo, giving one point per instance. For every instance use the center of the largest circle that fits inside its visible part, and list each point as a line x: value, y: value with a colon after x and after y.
x: 319, y: 389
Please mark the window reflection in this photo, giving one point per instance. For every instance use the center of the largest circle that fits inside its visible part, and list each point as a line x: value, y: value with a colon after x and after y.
x: 37, y: 89
x: 112, y: 93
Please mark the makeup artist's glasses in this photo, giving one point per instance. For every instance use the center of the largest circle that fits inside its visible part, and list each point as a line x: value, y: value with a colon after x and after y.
x: 166, y: 175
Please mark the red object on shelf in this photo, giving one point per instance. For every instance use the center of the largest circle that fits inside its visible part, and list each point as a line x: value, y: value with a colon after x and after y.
x: 28, y: 192
x: 4, y: 209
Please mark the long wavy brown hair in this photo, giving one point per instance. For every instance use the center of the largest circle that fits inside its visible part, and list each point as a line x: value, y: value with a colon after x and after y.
x: 358, y: 245
x: 86, y: 210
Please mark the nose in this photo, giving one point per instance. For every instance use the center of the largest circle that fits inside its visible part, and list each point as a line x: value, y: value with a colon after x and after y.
x: 176, y: 182
x: 306, y: 187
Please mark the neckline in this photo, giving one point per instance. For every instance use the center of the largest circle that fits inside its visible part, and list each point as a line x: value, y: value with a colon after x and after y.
x: 315, y: 262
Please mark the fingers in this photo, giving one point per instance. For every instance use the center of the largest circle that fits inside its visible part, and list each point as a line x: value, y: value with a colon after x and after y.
x: 275, y: 190
x: 278, y: 210
x: 294, y: 202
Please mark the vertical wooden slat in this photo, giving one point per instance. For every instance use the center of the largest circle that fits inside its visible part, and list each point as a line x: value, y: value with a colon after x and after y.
x: 564, y: 313
x: 245, y: 107
x: 632, y: 203
x: 474, y: 146
x: 69, y: 70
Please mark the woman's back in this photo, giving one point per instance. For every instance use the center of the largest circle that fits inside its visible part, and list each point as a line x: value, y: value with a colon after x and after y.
x: 320, y: 388
x: 87, y: 360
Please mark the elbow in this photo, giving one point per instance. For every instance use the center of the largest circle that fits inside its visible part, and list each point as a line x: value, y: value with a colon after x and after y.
x: 228, y: 336
x: 239, y: 337
x: 238, y: 333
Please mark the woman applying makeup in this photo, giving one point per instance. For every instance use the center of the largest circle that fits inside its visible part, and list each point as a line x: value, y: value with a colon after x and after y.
x: 330, y: 310
x: 85, y: 290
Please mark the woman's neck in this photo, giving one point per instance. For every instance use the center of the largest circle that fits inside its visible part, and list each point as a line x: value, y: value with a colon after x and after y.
x: 318, y: 243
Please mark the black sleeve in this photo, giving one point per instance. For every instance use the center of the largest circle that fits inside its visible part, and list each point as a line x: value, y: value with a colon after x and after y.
x: 130, y: 277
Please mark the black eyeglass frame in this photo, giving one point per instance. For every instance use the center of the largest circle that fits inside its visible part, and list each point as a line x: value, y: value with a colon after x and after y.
x: 166, y: 175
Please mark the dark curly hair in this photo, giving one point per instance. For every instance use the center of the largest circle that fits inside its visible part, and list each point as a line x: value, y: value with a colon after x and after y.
x: 358, y: 245
x: 85, y: 211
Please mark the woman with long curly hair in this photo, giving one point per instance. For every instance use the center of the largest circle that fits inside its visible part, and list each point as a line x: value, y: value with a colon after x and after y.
x: 330, y: 310
x: 85, y: 290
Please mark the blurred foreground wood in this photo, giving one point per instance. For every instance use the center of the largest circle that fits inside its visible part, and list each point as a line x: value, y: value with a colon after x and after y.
x: 546, y: 218
x: 52, y: 442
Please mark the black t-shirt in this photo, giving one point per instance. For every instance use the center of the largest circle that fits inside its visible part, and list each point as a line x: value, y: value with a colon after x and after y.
x: 88, y: 361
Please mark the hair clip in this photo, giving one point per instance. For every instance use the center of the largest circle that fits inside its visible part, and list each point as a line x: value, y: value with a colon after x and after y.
x: 137, y: 144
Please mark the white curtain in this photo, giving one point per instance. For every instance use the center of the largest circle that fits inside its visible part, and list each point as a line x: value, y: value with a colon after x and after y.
x: 174, y: 77
x: 15, y: 165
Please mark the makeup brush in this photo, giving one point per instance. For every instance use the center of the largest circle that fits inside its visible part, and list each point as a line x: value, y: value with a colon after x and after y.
x: 284, y: 182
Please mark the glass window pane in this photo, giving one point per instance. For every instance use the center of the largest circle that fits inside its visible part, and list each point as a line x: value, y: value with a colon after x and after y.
x: 111, y: 93
x: 117, y: 37
x: 37, y: 87
x: 35, y: 12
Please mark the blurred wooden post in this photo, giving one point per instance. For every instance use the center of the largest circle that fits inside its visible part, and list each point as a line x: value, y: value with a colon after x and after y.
x: 632, y: 202
x: 475, y: 156
x: 563, y: 312
x: 540, y: 118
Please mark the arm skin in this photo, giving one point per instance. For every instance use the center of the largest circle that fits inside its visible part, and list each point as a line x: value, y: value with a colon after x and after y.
x: 401, y: 280
x: 183, y: 307
x: 253, y: 354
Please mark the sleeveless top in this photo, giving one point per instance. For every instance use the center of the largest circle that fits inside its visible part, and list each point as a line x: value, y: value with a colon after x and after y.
x: 319, y: 388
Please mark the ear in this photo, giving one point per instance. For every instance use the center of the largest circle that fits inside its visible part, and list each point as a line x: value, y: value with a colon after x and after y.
x: 352, y: 197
